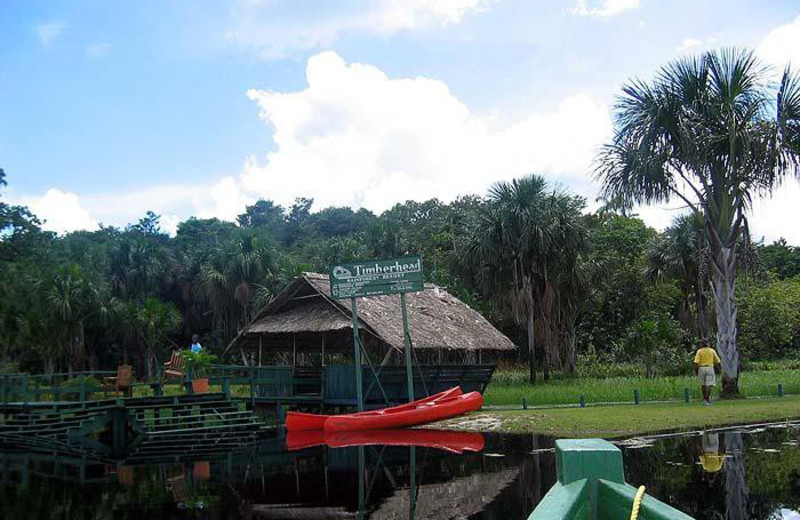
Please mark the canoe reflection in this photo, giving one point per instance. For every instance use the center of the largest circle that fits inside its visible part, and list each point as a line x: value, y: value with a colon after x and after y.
x: 453, y: 442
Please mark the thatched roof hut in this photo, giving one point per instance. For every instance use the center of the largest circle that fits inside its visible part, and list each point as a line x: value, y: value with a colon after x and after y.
x: 304, y: 317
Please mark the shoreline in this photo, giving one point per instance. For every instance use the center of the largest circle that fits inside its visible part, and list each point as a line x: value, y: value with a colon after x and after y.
x: 619, y: 421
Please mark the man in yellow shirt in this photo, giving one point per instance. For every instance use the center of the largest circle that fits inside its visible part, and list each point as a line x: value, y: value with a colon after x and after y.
x: 712, y: 458
x: 704, y: 361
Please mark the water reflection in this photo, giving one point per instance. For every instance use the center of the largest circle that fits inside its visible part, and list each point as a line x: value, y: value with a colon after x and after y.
x: 386, y: 475
x: 744, y: 474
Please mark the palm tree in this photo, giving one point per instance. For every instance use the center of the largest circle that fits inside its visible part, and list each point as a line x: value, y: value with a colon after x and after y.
x: 680, y: 253
x: 154, y: 319
x: 237, y: 281
x: 712, y: 132
x: 73, y: 297
x: 524, y: 243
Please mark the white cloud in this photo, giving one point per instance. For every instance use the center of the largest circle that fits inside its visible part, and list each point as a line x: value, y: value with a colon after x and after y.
x: 274, y: 30
x: 695, y: 44
x: 226, y: 201
x: 355, y: 136
x: 604, y: 8
x: 169, y: 223
x: 98, y: 50
x: 782, y: 45
x: 47, y: 32
x: 61, y: 211
x: 776, y: 216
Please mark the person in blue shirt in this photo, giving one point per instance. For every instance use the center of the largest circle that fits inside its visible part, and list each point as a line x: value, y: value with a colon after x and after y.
x: 196, y: 347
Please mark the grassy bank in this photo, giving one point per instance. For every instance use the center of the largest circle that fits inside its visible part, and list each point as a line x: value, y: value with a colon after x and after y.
x: 511, y: 386
x: 628, y: 420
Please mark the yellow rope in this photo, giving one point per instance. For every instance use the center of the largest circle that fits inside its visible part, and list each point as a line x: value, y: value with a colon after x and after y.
x: 637, y: 501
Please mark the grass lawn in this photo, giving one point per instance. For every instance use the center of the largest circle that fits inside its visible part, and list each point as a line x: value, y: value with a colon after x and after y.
x: 626, y: 420
x: 508, y: 388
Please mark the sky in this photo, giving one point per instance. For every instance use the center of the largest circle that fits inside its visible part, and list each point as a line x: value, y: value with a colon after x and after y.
x: 198, y: 108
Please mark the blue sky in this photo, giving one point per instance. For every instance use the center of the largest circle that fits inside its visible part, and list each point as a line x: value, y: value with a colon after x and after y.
x: 110, y: 109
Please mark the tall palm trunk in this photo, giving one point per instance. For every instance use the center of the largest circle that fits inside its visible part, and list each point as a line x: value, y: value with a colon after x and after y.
x: 724, y: 265
x: 700, y: 288
x: 532, y: 346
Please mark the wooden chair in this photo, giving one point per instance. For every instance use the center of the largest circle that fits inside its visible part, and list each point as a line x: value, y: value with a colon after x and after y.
x: 121, y: 382
x: 173, y: 367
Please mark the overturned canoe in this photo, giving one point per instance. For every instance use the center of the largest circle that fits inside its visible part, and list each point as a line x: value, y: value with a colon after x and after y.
x: 407, y: 415
x: 299, y: 421
x: 453, y: 442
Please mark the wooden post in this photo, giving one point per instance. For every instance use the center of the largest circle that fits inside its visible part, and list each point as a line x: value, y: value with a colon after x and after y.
x: 25, y: 388
x: 357, y: 357
x: 407, y: 341
x: 260, y: 347
x: 412, y: 487
x: 294, y: 350
x: 83, y: 388
x: 323, y: 349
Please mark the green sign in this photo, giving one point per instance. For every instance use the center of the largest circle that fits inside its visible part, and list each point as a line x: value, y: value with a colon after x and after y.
x: 376, y: 277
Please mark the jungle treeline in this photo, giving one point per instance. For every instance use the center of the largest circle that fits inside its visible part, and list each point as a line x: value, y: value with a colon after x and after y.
x: 572, y: 284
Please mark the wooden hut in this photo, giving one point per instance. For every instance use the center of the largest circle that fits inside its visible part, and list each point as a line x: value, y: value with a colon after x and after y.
x: 303, y: 329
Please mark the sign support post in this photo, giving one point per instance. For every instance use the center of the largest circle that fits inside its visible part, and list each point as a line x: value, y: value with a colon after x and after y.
x: 376, y: 278
x: 407, y: 343
x: 357, y: 357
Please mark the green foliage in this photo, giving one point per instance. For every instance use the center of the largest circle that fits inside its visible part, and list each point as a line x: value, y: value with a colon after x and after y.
x: 769, y: 319
x: 781, y: 259
x: 199, y: 363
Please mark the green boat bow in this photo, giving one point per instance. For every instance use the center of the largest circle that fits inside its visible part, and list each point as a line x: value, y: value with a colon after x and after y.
x: 591, y: 486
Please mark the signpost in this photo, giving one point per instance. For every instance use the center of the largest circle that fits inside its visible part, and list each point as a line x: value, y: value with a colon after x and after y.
x: 376, y: 278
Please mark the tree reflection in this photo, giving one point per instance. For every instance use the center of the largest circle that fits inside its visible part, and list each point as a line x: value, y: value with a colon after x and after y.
x: 735, y: 478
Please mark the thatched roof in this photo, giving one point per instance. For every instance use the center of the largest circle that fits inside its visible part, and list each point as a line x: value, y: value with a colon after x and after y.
x: 437, y: 319
x: 464, y: 497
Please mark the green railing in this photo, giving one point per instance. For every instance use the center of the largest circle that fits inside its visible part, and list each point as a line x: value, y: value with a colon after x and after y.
x: 275, y: 383
x: 26, y: 388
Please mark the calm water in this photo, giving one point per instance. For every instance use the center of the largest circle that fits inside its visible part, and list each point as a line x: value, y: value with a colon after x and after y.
x: 750, y: 473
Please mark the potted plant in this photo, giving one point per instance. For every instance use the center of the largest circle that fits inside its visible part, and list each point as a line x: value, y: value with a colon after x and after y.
x: 198, y: 364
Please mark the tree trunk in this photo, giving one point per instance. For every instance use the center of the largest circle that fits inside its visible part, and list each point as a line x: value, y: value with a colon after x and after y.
x: 531, y: 347
x: 735, y: 478
x: 700, y: 302
x: 700, y: 289
x: 148, y: 360
x: 571, y: 357
x: 725, y: 306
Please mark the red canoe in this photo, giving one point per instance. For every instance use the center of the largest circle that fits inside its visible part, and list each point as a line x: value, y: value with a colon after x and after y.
x: 405, y: 416
x: 454, y: 442
x: 298, y: 421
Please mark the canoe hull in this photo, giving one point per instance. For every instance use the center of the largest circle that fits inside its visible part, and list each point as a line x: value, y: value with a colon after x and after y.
x: 298, y: 421
x: 421, y: 414
x: 453, y: 442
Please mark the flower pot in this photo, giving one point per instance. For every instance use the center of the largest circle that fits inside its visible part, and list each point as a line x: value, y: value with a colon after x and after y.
x: 200, y: 386
x: 202, y: 470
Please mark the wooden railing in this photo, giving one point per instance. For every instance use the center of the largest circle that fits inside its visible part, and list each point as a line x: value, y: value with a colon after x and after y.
x: 333, y: 384
x: 25, y: 388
